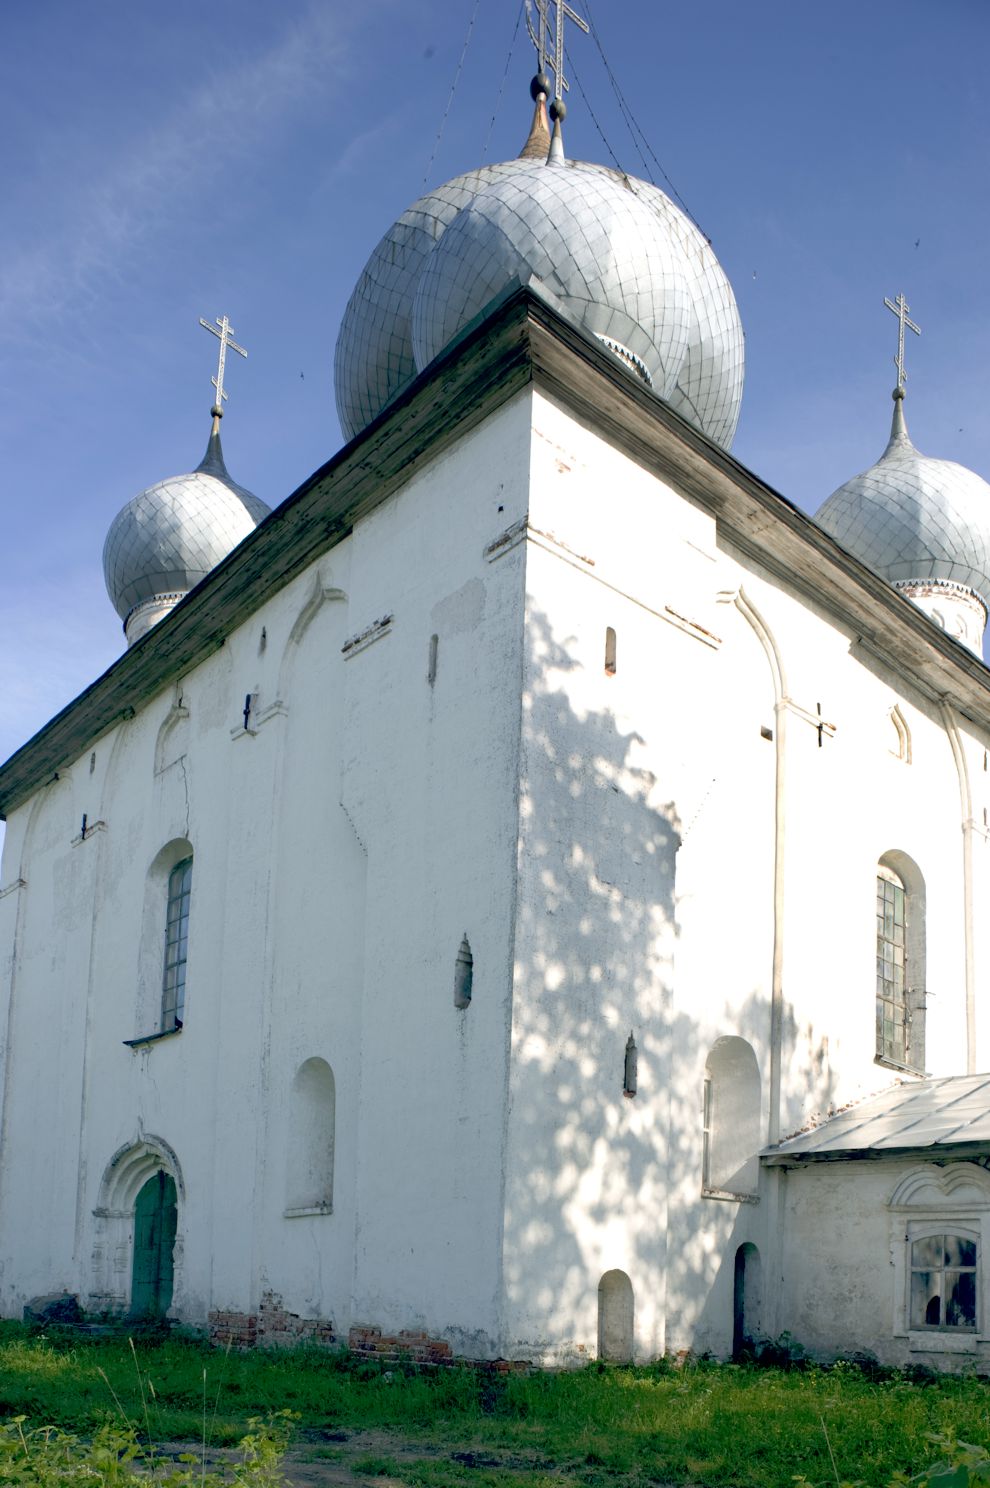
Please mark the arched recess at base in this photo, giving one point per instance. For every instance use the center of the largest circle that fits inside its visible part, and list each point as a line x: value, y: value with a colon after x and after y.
x: 747, y: 1297
x: 616, y: 1318
x: 141, y: 1191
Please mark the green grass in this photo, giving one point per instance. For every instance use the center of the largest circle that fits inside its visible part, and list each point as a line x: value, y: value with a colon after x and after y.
x: 711, y: 1424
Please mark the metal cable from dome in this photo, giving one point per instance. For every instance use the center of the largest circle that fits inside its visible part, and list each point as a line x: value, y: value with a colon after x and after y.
x: 591, y: 113
x: 501, y: 89
x: 453, y: 90
x: 634, y: 127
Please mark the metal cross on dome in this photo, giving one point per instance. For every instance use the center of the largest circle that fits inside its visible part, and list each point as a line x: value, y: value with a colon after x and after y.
x: 225, y: 335
x: 900, y: 308
x: 541, y: 39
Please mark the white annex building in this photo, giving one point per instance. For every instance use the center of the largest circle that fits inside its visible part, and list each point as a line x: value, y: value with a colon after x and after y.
x: 523, y: 893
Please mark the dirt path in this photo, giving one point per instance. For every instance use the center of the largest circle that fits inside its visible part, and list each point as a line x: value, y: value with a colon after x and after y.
x: 376, y: 1459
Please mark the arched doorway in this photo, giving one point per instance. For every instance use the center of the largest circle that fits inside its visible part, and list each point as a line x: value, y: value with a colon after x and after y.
x: 746, y: 1289
x: 152, y: 1272
x: 615, y: 1318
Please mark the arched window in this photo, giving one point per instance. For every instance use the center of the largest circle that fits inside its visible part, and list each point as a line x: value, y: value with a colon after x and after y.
x: 176, y: 945
x: 900, y: 962
x: 731, y: 1124
x: 309, y: 1168
x: 163, y: 949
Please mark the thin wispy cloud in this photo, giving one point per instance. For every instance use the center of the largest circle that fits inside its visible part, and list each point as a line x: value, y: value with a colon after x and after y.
x: 158, y: 174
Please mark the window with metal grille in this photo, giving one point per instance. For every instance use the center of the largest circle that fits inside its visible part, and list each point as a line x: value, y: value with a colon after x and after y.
x: 893, y: 1014
x: 943, y: 1282
x: 176, y: 942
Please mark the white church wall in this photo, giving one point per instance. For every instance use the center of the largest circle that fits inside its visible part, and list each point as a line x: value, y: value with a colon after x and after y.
x: 846, y: 1277
x: 538, y: 701
x: 680, y: 725
x: 432, y: 799
x: 344, y: 839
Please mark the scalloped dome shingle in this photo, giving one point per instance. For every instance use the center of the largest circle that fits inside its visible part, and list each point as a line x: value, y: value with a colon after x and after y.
x: 914, y: 519
x: 171, y: 535
x: 612, y: 252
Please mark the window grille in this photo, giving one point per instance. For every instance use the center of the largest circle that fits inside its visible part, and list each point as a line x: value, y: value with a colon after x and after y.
x: 893, y: 1013
x: 176, y: 942
x: 943, y: 1282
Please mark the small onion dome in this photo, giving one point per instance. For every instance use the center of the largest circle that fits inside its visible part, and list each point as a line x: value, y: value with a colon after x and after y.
x: 161, y: 544
x: 914, y: 520
x: 610, y: 252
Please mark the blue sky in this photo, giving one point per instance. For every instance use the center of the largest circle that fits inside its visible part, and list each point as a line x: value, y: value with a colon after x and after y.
x: 162, y: 162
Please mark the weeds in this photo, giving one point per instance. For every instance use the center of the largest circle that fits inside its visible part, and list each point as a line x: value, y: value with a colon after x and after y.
x: 114, y: 1457
x: 722, y: 1425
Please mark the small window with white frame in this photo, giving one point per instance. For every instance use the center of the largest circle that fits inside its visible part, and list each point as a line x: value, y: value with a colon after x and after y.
x: 943, y: 1284
x: 940, y: 1236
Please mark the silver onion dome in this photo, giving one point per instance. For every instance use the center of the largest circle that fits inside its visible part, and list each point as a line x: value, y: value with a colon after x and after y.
x: 161, y: 544
x: 613, y: 253
x: 913, y: 519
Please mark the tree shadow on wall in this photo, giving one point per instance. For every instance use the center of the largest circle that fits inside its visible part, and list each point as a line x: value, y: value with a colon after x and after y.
x: 598, y: 1180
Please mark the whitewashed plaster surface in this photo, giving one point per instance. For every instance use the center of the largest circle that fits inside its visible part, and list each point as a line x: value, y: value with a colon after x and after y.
x: 846, y: 1231
x: 626, y: 853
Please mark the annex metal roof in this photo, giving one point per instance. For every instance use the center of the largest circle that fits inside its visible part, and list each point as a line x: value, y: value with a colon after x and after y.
x: 951, y: 1113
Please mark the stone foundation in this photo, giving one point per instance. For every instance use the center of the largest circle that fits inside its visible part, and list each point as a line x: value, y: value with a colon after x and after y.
x: 392, y: 1348
x: 273, y: 1327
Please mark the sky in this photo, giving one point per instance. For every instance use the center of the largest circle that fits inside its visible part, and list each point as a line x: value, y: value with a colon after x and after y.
x: 166, y: 162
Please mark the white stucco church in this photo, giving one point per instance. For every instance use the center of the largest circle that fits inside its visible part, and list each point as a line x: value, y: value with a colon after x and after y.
x: 522, y: 896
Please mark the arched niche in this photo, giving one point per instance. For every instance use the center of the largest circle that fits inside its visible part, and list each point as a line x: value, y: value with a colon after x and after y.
x: 732, y: 1118
x: 322, y: 593
x: 747, y: 1298
x: 172, y: 743
x: 616, y: 1318
x: 310, y: 1157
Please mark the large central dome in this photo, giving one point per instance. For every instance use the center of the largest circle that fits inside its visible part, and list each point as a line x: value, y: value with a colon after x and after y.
x: 612, y: 253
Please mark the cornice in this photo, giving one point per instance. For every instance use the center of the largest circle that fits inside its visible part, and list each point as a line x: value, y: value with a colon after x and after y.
x: 519, y: 341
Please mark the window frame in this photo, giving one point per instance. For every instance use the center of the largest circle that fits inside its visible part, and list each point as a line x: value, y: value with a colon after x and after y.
x: 939, y: 1198
x: 732, y: 1098
x: 889, y: 995
x: 178, y: 898
x: 899, y: 870
x: 946, y: 1228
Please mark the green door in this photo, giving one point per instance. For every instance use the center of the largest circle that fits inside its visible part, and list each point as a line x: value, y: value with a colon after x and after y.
x: 155, y: 1216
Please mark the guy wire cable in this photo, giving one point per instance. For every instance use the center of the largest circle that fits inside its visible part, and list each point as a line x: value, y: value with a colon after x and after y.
x: 501, y: 88
x: 453, y: 90
x: 634, y: 126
